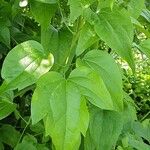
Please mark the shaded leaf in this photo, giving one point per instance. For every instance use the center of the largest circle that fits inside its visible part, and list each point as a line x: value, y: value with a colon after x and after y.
x: 5, y: 35
x: 145, y: 47
x: 86, y: 39
x: 142, y: 131
x: 139, y: 145
x: 104, y: 129
x: 6, y: 131
x: 43, y: 12
x: 6, y: 105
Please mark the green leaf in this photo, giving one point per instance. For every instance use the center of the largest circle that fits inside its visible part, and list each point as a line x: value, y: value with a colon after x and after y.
x: 92, y: 86
x: 5, y: 35
x: 84, y: 117
x: 28, y: 142
x: 9, y: 135
x: 104, y: 129
x: 75, y: 9
x: 39, y: 108
x: 47, y: 1
x: 62, y: 52
x: 43, y: 12
x: 25, y: 146
x: 49, y: 39
x: 24, y: 64
x: 6, y: 105
x: 145, y: 47
x: 115, y: 28
x: 108, y: 70
x: 135, y: 7
x: 146, y: 14
x: 1, y: 146
x: 60, y: 110
x: 139, y: 145
x: 86, y: 39
x: 129, y: 113
x: 142, y: 131
x: 106, y: 3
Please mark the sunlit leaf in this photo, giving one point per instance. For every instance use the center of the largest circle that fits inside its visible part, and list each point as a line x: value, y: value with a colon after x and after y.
x: 115, y: 28
x: 24, y: 64
x: 108, y: 70
x: 135, y: 7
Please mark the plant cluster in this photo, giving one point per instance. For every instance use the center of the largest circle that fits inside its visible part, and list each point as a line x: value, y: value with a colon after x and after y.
x: 74, y: 74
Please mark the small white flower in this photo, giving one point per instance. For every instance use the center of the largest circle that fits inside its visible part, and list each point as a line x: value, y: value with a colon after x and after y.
x: 23, y: 3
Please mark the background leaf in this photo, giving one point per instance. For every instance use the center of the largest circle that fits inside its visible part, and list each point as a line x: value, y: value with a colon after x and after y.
x: 115, y: 28
x: 43, y: 12
x: 135, y: 7
x: 86, y: 39
x: 145, y: 47
x: 9, y: 135
x: 104, y: 129
x: 6, y: 105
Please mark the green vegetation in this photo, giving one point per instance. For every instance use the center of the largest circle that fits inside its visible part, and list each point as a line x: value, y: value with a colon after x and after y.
x: 75, y: 74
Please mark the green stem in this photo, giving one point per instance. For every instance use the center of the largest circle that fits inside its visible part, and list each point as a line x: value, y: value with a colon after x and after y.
x: 45, y: 38
x: 24, y: 131
x: 72, y: 51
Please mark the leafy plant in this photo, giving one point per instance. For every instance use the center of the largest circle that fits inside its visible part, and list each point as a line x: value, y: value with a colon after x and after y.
x: 62, y: 85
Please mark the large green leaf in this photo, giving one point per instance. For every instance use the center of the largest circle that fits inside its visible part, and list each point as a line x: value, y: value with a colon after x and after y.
x: 108, y: 70
x: 145, y: 47
x: 24, y: 64
x: 115, y: 28
x: 104, y: 129
x: 86, y: 39
x: 6, y: 105
x: 64, y: 109
x: 9, y: 135
x: 60, y: 110
x: 92, y: 86
x: 135, y: 7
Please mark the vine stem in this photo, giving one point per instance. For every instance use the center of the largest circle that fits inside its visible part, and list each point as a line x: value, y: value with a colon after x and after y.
x: 145, y: 116
x: 78, y: 28
x: 24, y: 130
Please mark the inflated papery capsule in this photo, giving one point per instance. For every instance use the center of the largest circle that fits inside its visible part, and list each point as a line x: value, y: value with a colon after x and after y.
x: 23, y: 3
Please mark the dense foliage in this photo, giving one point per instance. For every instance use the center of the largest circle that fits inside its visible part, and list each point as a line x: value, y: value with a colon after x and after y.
x: 75, y: 75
